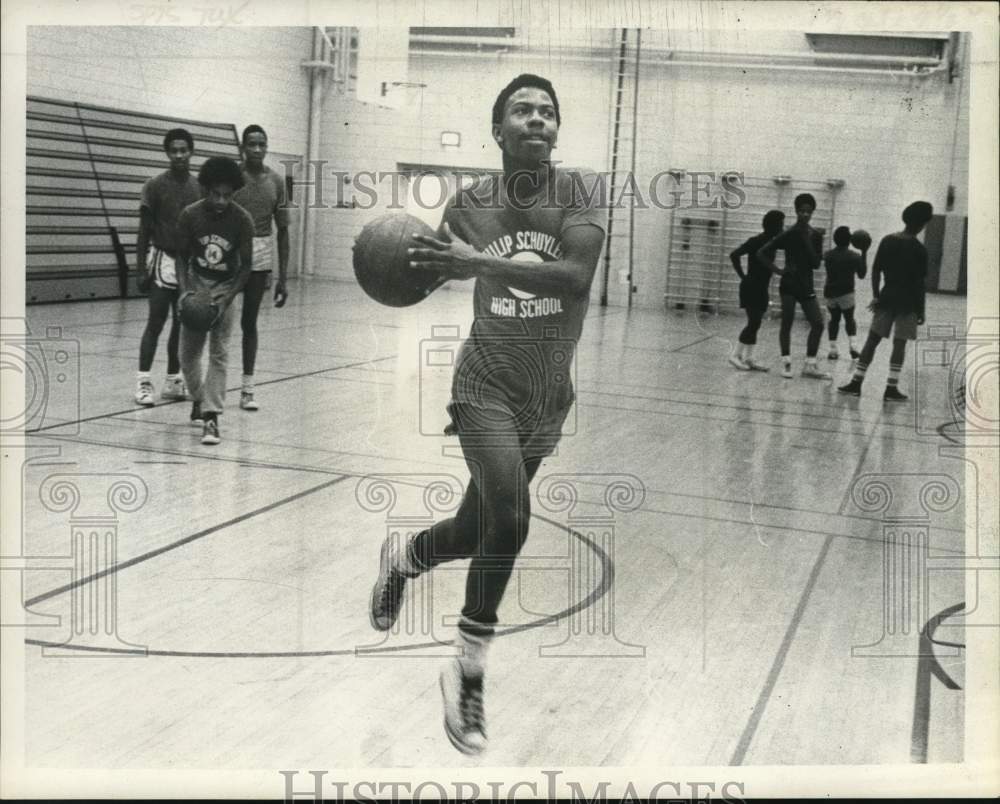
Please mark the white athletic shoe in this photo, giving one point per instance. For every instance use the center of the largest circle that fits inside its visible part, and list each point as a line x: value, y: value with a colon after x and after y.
x: 247, y: 401
x: 786, y: 371
x: 815, y: 373
x: 754, y: 366
x: 210, y: 432
x: 833, y: 354
x: 738, y: 363
x: 174, y: 389
x: 464, y: 713
x: 144, y: 393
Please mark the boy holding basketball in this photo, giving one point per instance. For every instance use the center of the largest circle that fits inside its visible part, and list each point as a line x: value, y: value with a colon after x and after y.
x: 842, y: 265
x: 803, y: 246
x: 163, y: 198
x: 533, y: 257
x: 898, y: 304
x: 215, y: 257
x: 263, y: 196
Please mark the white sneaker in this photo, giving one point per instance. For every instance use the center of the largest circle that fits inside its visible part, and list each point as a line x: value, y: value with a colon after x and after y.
x: 754, y: 366
x: 815, y: 373
x: 210, y: 431
x: 247, y: 401
x: 786, y: 371
x: 144, y: 393
x: 464, y: 714
x: 738, y: 363
x: 174, y: 389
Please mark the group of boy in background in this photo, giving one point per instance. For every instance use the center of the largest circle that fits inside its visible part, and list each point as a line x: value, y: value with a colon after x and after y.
x: 210, y: 233
x: 898, y: 293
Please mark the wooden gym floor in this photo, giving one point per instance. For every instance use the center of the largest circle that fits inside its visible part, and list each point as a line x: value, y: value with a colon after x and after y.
x: 713, y: 624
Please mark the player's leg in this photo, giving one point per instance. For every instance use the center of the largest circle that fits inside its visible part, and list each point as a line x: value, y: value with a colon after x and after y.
x: 192, y: 344
x: 904, y: 329
x: 159, y: 309
x: 851, y: 327
x: 833, y: 329
x: 173, y: 386
x: 737, y: 358
x: 881, y: 322
x: 214, y: 396
x: 253, y: 293
x: 815, y: 318
x: 788, y: 303
x: 755, y: 316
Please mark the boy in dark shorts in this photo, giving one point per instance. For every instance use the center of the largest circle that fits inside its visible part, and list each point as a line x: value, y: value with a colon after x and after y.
x: 803, y: 246
x: 842, y: 265
x: 215, y: 254
x: 263, y: 196
x: 531, y: 239
x: 754, y: 286
x: 898, y: 305
x: 163, y: 198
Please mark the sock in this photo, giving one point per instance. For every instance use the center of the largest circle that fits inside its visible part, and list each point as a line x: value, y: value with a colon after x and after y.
x: 811, y: 362
x: 173, y: 377
x: 852, y: 342
x: 740, y: 350
x: 248, y: 383
x: 143, y: 376
x: 859, y: 371
x: 894, y: 371
x: 748, y: 352
x: 787, y: 360
x: 474, y: 641
x: 403, y: 560
x: 833, y: 346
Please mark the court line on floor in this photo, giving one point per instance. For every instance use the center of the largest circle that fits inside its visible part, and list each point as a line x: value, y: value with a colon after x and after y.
x: 857, y: 468
x: 143, y: 557
x: 927, y: 666
x: 779, y: 660
x: 607, y: 579
x: 135, y: 409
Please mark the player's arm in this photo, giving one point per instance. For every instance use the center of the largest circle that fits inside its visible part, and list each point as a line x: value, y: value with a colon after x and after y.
x: 453, y: 258
x: 863, y: 263
x: 281, y: 223
x: 767, y: 252
x: 184, y: 252
x: 921, y: 285
x: 877, y: 272
x: 736, y: 257
x: 244, y: 261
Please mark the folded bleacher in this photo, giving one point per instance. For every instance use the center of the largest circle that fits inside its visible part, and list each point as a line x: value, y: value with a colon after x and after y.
x: 85, y: 169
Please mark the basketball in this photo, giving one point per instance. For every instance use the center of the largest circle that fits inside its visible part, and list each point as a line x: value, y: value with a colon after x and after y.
x: 382, y: 264
x: 198, y: 311
x: 860, y: 239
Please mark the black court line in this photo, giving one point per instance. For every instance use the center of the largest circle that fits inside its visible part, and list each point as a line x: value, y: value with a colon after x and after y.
x: 607, y: 579
x: 779, y: 660
x: 180, y: 542
x: 677, y: 349
x: 857, y: 467
x: 135, y: 409
x: 927, y: 666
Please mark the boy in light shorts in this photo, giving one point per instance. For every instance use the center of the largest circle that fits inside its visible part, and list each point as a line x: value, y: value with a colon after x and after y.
x: 842, y: 265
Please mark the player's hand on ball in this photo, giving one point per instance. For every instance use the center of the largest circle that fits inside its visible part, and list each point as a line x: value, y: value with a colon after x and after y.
x: 280, y: 294
x: 451, y: 257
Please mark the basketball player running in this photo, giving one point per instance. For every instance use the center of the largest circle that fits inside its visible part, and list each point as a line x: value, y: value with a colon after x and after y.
x: 263, y: 196
x: 531, y: 240
x: 803, y: 246
x: 899, y: 304
x: 842, y: 265
x: 163, y: 198
x: 215, y: 253
x: 754, y: 286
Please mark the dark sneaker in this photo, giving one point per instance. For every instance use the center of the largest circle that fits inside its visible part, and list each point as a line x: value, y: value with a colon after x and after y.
x: 210, y: 432
x: 196, y: 417
x: 853, y: 388
x: 387, y: 593
x: 892, y: 394
x: 855, y: 354
x: 464, y: 714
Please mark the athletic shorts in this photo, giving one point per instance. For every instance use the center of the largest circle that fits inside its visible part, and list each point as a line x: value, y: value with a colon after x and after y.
x: 845, y: 302
x: 163, y: 268
x: 902, y: 325
x: 263, y: 253
x: 537, y: 436
x: 800, y: 291
x: 753, y: 295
